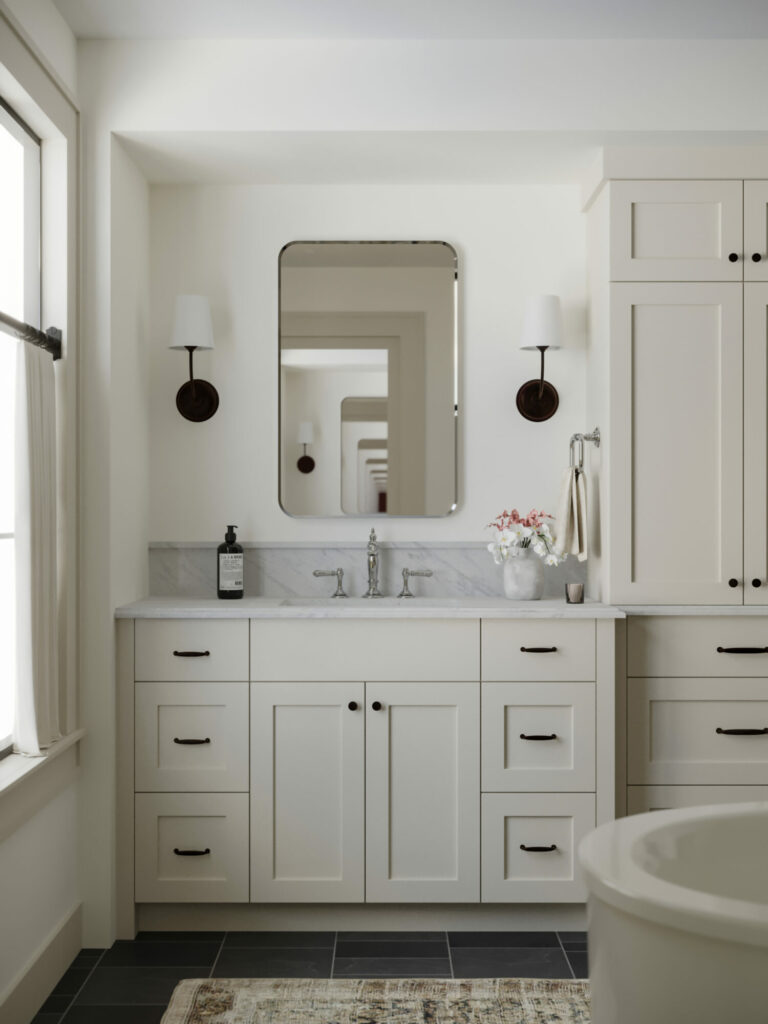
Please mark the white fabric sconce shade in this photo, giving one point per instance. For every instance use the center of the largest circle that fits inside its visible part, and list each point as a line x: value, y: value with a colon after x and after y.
x: 306, y: 433
x: 543, y: 323
x: 537, y: 400
x: 196, y: 400
x: 192, y: 324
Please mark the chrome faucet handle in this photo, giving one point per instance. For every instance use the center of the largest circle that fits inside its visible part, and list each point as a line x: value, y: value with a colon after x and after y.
x: 405, y: 592
x: 339, y: 574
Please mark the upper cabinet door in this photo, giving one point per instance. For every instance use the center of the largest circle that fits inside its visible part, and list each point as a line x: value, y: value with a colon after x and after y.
x: 755, y: 446
x: 677, y: 231
x: 675, y: 489
x: 756, y: 230
x: 422, y: 792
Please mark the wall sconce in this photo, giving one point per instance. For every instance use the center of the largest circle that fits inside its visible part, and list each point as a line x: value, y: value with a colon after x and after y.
x: 537, y: 400
x: 306, y: 436
x: 196, y: 400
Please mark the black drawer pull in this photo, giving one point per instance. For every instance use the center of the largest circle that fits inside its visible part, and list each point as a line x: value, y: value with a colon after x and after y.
x: 191, y: 853
x: 191, y: 743
x: 742, y: 650
x: 742, y: 732
x: 552, y: 736
x: 538, y: 849
x: 191, y: 654
x: 538, y: 650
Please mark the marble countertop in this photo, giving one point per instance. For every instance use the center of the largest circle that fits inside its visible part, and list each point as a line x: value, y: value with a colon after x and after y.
x: 360, y: 608
x: 723, y: 610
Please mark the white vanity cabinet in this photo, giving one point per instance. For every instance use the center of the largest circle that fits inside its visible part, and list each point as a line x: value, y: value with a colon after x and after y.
x: 697, y: 710
x: 679, y: 311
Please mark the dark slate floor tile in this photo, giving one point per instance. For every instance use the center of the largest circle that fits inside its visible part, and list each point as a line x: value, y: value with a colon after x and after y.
x: 71, y: 981
x: 179, y: 937
x: 161, y: 954
x: 486, y: 940
x: 135, y: 986
x: 383, y: 949
x: 55, y: 1004
x: 91, y: 951
x: 81, y: 961
x: 115, y: 1015
x: 391, y: 937
x: 573, y: 940
x: 392, y: 967
x: 507, y: 962
x: 579, y: 963
x: 46, y: 1018
x: 301, y: 962
x: 278, y: 940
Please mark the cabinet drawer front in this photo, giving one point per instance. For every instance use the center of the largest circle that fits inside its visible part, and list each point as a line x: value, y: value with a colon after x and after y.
x: 345, y: 650
x: 641, y: 799
x: 191, y: 737
x: 676, y: 230
x: 513, y: 820
x: 538, y: 737
x: 191, y: 649
x: 673, y: 734
x: 538, y: 649
x: 210, y: 833
x: 688, y: 646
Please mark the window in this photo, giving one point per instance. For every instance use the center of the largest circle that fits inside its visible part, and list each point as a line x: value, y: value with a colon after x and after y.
x: 20, y: 299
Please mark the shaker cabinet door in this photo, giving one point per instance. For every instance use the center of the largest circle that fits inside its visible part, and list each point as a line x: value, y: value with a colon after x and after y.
x: 675, y: 489
x: 307, y: 792
x: 422, y: 793
x: 756, y: 230
x: 756, y: 443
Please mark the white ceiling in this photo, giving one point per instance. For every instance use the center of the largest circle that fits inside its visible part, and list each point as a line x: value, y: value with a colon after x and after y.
x: 418, y: 19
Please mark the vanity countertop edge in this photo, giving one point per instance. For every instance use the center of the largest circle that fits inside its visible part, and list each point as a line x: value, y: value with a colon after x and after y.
x: 295, y: 608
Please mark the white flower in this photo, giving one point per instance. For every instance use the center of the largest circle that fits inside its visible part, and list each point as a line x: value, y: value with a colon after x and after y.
x: 552, y: 560
x: 526, y: 531
x: 540, y: 548
x: 545, y: 530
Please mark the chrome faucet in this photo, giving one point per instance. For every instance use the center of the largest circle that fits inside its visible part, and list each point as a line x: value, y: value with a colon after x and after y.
x: 372, y: 553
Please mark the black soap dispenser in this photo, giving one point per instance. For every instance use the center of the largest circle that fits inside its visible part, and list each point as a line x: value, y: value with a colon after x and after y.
x: 229, y: 575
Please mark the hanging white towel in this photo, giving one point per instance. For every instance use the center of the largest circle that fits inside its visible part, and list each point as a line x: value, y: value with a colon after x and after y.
x: 571, y: 518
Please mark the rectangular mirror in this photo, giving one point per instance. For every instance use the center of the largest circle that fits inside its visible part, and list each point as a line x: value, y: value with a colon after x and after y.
x: 368, y: 378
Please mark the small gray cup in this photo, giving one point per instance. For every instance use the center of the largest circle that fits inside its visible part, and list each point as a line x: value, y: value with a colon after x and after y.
x: 574, y: 593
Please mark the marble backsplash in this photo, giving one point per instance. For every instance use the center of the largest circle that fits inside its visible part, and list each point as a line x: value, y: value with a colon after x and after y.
x: 285, y: 570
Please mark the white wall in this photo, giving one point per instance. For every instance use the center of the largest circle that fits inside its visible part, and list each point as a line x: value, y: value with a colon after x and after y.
x: 224, y: 241
x: 38, y: 868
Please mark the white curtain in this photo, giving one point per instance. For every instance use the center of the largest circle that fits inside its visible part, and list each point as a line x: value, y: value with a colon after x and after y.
x: 37, y: 656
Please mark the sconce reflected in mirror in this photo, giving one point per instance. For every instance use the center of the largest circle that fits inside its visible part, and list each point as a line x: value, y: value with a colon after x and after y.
x: 196, y: 400
x: 306, y: 436
x: 537, y: 400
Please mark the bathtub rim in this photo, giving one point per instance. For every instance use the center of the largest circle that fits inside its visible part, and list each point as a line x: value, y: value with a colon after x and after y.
x: 613, y: 875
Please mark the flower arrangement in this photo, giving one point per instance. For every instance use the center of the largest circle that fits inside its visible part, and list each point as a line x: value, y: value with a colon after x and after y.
x: 514, y: 532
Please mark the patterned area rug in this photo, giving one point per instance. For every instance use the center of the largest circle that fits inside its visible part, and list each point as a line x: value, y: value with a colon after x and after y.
x: 306, y: 1001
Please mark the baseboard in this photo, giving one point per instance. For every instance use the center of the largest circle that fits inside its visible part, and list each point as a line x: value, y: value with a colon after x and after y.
x: 34, y: 983
x: 361, y: 917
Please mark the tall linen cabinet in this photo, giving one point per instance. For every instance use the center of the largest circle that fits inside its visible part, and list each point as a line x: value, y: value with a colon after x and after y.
x: 679, y: 384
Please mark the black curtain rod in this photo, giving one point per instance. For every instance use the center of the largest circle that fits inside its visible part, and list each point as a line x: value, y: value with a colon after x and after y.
x: 49, y: 340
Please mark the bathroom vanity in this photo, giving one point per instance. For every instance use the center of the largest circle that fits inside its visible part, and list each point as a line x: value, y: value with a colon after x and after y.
x: 359, y: 752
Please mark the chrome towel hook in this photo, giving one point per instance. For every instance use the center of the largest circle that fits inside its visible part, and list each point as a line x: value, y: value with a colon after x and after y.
x: 579, y: 439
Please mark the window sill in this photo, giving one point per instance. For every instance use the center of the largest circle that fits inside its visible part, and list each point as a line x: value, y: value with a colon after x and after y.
x: 28, y: 783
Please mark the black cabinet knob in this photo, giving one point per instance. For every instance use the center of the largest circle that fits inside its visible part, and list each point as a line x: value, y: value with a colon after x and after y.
x: 757, y: 583
x: 756, y: 257
x: 733, y: 582
x: 352, y: 705
x: 733, y: 257
x: 376, y: 705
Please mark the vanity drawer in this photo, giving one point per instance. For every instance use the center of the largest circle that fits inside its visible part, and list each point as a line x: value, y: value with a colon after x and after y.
x: 214, y: 826
x: 191, y: 649
x: 191, y: 737
x: 372, y: 650
x: 538, y: 737
x: 511, y: 820
x: 673, y: 733
x: 688, y: 645
x: 538, y: 649
x: 662, y: 798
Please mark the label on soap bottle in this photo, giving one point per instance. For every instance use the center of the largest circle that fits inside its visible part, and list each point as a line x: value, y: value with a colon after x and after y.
x: 231, y: 572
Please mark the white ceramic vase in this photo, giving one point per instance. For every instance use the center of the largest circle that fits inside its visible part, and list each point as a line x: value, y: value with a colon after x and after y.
x: 523, y: 575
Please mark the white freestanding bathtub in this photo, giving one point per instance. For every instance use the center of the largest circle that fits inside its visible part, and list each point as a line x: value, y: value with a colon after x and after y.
x: 678, y: 916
